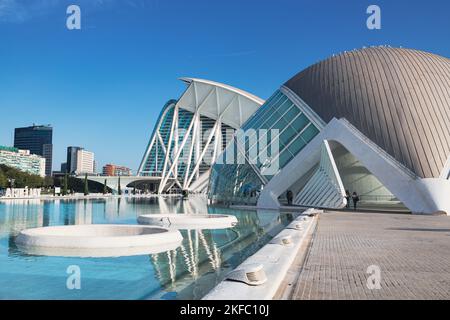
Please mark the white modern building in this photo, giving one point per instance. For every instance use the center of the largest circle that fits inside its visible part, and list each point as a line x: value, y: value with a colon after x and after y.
x: 85, y: 162
x: 80, y: 161
x: 375, y: 121
x: 22, y: 160
x: 192, y: 131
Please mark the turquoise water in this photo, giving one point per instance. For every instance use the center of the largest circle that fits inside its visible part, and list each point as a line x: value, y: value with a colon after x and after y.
x: 188, y: 272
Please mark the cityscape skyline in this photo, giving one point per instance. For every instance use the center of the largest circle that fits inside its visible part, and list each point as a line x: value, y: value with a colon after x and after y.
x: 103, y: 106
x: 244, y: 151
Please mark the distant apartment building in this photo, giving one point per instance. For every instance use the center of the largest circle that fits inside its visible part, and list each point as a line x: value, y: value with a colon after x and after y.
x: 115, y: 170
x: 85, y: 162
x: 79, y: 161
x: 23, y: 160
x: 71, y: 163
x: 38, y: 140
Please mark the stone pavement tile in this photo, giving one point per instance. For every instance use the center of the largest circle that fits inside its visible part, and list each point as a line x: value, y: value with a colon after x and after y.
x: 412, y: 252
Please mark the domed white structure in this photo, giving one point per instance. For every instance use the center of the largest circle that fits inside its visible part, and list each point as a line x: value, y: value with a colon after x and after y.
x: 375, y: 121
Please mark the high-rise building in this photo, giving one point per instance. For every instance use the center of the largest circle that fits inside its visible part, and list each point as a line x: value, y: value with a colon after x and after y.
x: 79, y: 161
x: 114, y: 170
x: 71, y: 164
x: 85, y: 162
x: 38, y: 140
x: 22, y: 160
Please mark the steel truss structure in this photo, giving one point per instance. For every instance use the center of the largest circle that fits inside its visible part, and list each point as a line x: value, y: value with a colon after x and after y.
x: 192, y: 132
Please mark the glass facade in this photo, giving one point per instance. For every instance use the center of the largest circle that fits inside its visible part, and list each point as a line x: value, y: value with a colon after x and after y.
x: 273, y: 136
x: 37, y: 139
x: 154, y: 163
x: 155, y: 160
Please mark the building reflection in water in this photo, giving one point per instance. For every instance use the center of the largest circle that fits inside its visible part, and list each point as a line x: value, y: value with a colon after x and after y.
x: 201, y: 261
x: 214, y: 252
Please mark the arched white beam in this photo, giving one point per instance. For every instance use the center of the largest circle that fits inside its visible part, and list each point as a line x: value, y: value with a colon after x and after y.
x: 421, y: 196
x: 153, y: 138
x: 203, y: 98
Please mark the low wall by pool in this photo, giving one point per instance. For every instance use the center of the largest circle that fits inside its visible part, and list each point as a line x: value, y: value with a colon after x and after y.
x: 268, y: 267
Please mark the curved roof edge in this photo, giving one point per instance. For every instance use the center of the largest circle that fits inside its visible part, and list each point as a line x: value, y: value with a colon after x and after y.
x: 226, y: 87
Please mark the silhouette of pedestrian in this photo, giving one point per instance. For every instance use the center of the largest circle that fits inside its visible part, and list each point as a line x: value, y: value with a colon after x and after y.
x: 355, y: 199
x: 347, y: 197
x: 289, y: 197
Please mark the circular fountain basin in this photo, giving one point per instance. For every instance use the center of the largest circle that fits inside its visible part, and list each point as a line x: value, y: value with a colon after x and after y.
x: 190, y: 221
x: 98, y: 240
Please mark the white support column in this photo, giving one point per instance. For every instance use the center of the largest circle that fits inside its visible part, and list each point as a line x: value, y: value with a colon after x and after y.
x: 217, y: 141
x: 175, y: 147
x: 164, y: 150
x: 198, y: 141
x: 145, y: 158
x: 191, y: 148
x: 178, y: 153
x: 197, y: 165
x: 169, y: 145
x: 156, y: 153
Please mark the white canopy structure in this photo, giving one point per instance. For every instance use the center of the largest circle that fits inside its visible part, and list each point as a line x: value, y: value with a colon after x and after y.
x: 192, y: 132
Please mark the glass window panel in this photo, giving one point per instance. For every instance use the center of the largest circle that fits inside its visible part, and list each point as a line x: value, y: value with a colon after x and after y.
x: 284, y: 107
x: 280, y: 125
x: 280, y: 102
x: 257, y: 116
x: 296, y: 145
x: 285, y: 157
x: 260, y: 136
x: 287, y: 135
x: 292, y: 113
x: 270, y: 122
x: 253, y: 154
x: 309, y: 133
x: 263, y: 116
x: 300, y: 122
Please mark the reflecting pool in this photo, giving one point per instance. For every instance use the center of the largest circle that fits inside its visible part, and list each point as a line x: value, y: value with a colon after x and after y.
x: 189, y: 272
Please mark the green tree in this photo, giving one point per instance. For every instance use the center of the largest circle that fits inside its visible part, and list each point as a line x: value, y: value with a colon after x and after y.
x: 86, y: 186
x: 48, y: 182
x: 119, y: 190
x: 105, y: 188
x: 65, y: 185
x: 3, y: 180
x: 21, y: 179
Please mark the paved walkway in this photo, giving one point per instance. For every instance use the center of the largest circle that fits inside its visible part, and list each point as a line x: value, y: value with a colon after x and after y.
x: 412, y: 252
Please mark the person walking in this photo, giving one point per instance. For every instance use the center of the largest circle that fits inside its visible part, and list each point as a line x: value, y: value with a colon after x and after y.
x: 355, y: 199
x: 347, y: 197
x: 289, y: 197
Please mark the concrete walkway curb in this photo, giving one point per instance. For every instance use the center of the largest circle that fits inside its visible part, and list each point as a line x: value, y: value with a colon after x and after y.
x: 276, y: 259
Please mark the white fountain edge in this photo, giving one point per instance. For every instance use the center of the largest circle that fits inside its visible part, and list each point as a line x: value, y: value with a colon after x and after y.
x: 200, y: 219
x: 27, y: 238
x: 276, y: 260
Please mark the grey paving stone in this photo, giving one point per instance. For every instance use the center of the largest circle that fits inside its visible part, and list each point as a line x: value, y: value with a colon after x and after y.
x: 412, y: 252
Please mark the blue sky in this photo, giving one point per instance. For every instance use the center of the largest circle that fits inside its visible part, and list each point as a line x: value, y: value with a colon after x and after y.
x: 102, y: 87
